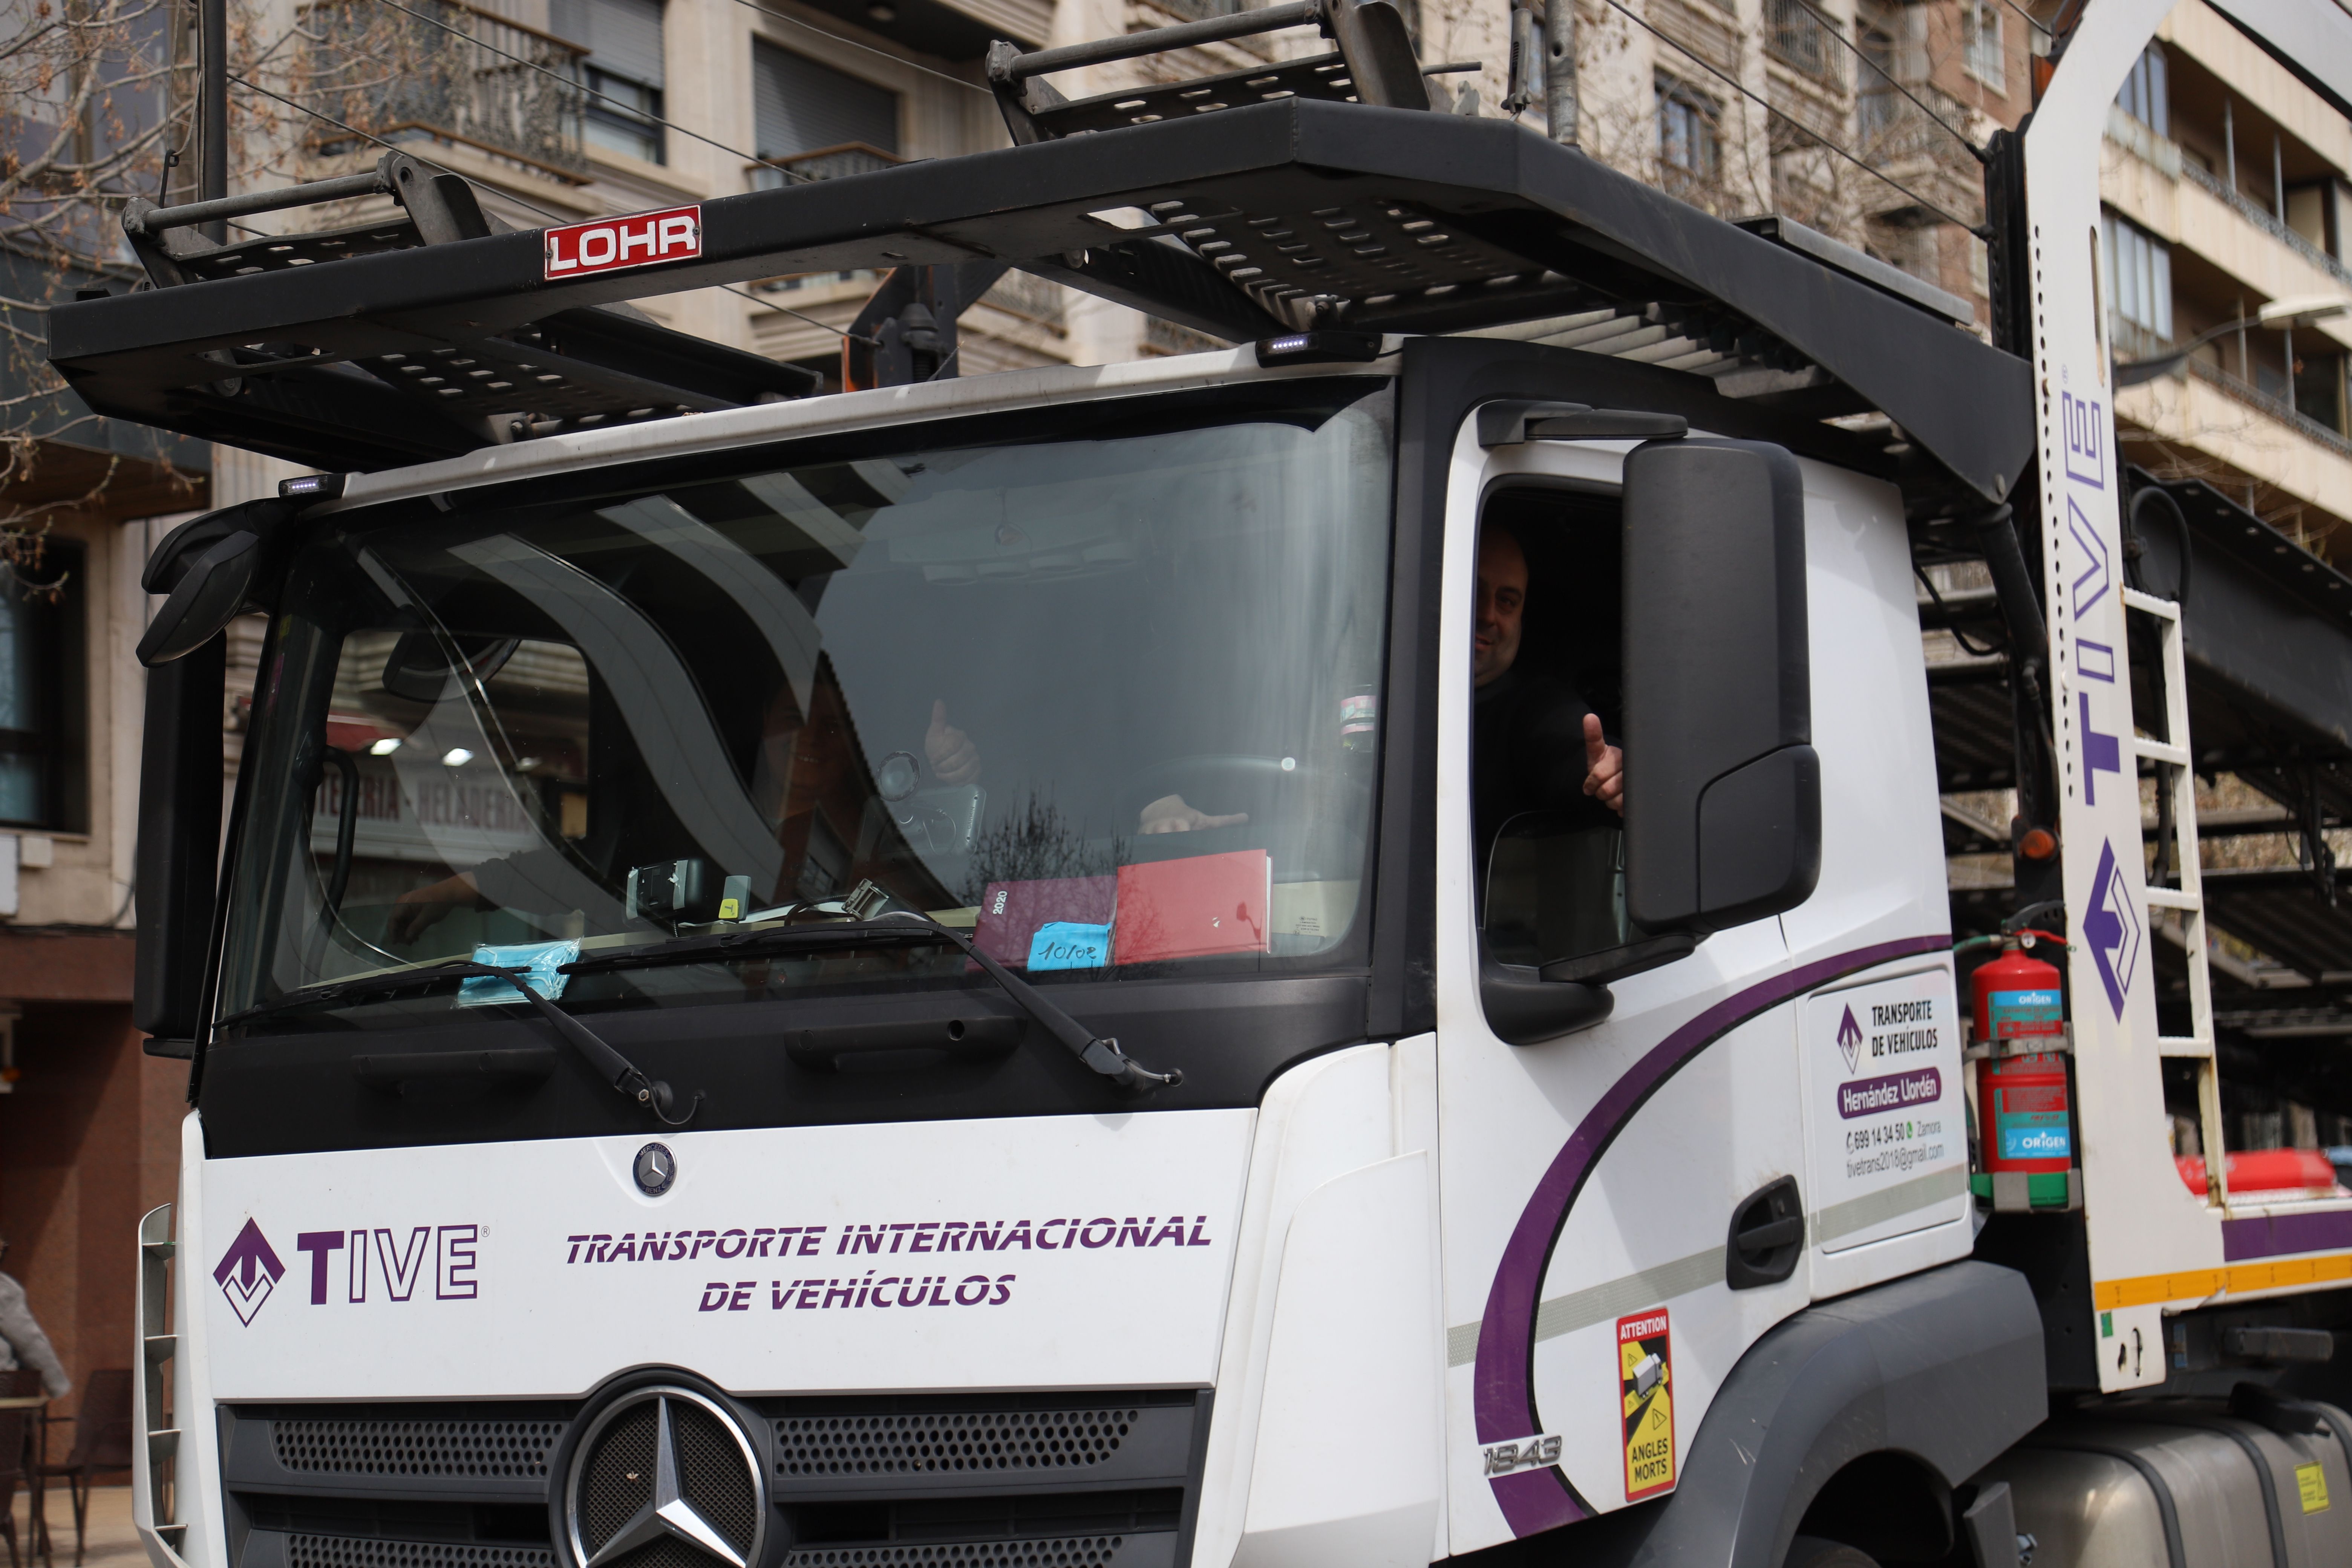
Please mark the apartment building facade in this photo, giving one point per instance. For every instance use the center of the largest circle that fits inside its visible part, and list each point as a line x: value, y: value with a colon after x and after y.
x: 2225, y: 181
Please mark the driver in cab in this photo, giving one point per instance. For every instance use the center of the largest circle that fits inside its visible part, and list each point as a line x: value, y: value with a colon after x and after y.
x: 1536, y: 745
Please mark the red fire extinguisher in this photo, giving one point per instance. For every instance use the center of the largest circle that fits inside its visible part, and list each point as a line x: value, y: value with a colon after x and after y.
x: 2024, y: 1103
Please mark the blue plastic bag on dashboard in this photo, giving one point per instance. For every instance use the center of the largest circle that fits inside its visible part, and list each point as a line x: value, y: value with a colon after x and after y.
x: 542, y: 959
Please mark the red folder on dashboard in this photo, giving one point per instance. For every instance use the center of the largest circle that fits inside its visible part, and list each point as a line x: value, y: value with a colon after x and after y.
x: 1185, y: 908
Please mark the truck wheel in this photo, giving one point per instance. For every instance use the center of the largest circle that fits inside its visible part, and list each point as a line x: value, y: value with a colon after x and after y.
x: 1813, y: 1551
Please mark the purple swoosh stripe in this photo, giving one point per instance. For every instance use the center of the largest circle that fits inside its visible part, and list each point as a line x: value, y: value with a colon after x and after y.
x: 2274, y: 1235
x: 1504, y: 1396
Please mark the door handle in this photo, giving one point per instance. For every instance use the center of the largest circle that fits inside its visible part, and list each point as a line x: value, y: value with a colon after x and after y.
x: 1767, y: 1236
x: 1771, y: 1235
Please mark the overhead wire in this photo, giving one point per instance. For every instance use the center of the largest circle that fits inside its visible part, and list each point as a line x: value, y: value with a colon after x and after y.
x: 518, y: 201
x: 1830, y: 25
x: 2032, y: 21
x: 1976, y: 229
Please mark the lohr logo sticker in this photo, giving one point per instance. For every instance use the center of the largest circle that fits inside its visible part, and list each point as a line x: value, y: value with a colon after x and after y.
x: 610, y: 244
x: 247, y: 1272
x: 1646, y: 1375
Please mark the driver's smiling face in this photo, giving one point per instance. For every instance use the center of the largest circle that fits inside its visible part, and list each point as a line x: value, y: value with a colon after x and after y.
x: 1502, y: 603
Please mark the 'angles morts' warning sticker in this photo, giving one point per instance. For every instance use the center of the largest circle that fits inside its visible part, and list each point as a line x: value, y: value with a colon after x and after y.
x: 1645, y: 1383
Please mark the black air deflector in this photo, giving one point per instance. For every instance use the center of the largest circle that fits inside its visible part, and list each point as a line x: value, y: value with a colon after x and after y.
x: 1253, y: 220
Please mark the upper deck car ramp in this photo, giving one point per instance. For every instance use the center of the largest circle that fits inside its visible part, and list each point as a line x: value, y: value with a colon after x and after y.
x: 1321, y: 193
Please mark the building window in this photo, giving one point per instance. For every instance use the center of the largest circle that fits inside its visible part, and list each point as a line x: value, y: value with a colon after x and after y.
x: 2139, y: 283
x: 1981, y: 42
x: 799, y: 107
x: 1690, y: 146
x: 623, y: 71
x: 2319, y: 388
x: 1877, y: 106
x: 41, y: 690
x: 2145, y: 97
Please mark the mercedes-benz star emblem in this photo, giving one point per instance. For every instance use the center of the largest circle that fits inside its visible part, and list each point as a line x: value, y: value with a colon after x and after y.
x: 656, y: 1168
x: 664, y: 1465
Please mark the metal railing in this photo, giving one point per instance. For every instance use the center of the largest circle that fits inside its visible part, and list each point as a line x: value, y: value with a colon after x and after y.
x: 1798, y: 38
x: 1201, y: 10
x: 451, y: 73
x: 2276, y: 407
x: 2265, y: 220
x: 823, y: 164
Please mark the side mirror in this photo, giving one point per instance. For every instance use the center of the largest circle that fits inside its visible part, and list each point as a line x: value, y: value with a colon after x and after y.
x: 208, y: 598
x: 1722, y: 788
x: 179, y: 843
x: 1553, y: 932
x: 210, y: 566
x: 419, y: 667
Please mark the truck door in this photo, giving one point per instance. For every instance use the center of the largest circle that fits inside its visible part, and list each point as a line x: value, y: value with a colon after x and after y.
x: 1590, y: 1183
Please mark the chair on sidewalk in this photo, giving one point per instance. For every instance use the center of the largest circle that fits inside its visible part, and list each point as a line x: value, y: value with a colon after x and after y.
x: 101, y: 1442
x: 13, y: 1426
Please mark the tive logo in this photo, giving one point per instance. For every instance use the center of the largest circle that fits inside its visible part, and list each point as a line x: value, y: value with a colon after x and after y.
x: 608, y: 245
x: 1849, y: 1038
x: 247, y: 1272
x: 2112, y: 929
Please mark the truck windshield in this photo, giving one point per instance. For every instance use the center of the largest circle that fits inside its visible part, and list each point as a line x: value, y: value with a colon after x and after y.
x: 1109, y: 703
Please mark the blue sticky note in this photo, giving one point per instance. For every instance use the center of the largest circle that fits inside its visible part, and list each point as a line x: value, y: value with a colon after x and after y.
x: 1067, y: 944
x: 542, y: 958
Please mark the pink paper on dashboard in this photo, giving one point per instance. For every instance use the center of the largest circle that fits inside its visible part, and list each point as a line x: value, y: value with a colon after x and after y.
x: 1193, y: 907
x: 1011, y: 912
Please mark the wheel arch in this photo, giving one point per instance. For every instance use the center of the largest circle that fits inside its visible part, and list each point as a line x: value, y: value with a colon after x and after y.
x: 1939, y: 1371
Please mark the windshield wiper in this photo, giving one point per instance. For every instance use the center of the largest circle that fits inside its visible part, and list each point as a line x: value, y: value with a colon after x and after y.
x: 1100, y: 1053
x: 624, y: 1075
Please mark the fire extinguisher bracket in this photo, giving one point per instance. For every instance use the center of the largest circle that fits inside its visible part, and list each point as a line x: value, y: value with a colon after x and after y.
x: 2029, y: 1191
x: 1978, y: 1049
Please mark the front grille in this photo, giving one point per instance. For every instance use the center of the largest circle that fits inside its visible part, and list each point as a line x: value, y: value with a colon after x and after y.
x: 507, y: 1450
x: 1067, y: 1552
x: 975, y: 1442
x: 352, y: 1552
x: 1002, y: 1481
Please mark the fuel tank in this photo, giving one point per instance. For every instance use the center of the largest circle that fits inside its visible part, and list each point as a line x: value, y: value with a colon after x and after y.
x: 2184, y: 1483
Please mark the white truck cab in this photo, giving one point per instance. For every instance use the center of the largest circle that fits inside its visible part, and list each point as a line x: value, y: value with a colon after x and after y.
x: 940, y: 974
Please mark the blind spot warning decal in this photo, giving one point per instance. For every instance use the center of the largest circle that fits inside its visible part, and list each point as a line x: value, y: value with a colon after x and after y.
x: 1646, y: 1398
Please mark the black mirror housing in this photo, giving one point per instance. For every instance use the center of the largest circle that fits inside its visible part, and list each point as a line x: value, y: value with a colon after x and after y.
x: 213, y: 567
x: 209, y: 595
x: 1722, y: 788
x: 180, y: 769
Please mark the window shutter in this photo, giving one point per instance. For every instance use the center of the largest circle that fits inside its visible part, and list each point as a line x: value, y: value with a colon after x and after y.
x: 800, y: 106
x: 623, y: 37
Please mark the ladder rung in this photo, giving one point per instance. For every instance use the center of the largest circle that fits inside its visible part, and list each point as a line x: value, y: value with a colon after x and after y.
x: 2159, y: 751
x: 2164, y: 608
x: 163, y: 1445
x: 160, y: 1347
x: 2175, y: 898
x: 171, y: 1531
x: 2183, y: 1045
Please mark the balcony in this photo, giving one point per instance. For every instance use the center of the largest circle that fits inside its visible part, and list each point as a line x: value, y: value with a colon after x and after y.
x: 2276, y: 407
x: 1800, y: 39
x: 451, y: 73
x: 781, y: 169
x: 2263, y: 218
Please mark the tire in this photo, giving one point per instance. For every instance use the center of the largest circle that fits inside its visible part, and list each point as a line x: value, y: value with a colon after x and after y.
x: 1813, y: 1551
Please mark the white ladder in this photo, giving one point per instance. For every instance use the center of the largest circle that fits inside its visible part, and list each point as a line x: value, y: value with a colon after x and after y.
x: 2175, y: 772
